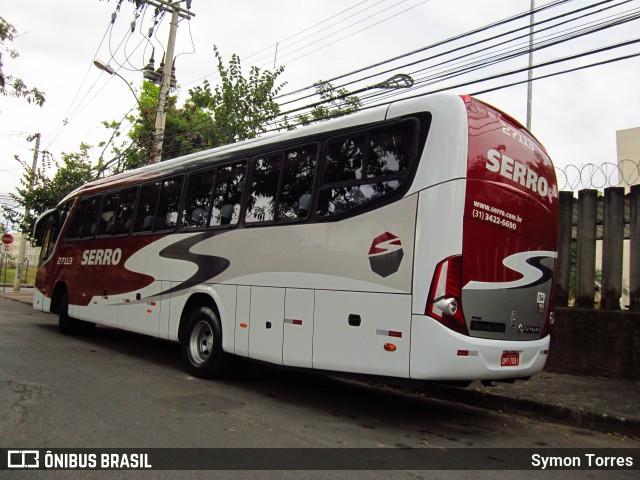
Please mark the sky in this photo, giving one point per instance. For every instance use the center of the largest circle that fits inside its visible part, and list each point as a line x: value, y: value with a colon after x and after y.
x: 575, y: 115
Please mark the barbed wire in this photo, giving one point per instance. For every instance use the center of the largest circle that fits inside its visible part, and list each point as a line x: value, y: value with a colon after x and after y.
x: 590, y: 175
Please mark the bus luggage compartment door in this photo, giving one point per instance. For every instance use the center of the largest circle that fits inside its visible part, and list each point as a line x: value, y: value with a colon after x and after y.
x: 266, y: 324
x: 362, y: 332
x: 298, y: 327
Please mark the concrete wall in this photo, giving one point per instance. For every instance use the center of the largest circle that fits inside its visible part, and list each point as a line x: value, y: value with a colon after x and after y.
x: 595, y: 343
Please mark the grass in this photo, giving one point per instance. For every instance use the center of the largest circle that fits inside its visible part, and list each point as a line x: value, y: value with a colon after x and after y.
x: 28, y: 277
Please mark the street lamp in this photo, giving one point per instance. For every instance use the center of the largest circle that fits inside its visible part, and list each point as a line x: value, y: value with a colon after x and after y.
x: 107, y: 68
x: 400, y: 80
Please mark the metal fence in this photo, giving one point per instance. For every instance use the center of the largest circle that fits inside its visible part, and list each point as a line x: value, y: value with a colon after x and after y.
x: 611, y: 219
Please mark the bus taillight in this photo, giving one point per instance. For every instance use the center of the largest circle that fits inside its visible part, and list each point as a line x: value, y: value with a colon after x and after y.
x: 444, y: 302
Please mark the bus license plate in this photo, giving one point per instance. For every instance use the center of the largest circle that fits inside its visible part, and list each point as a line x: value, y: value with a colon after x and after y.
x: 510, y: 359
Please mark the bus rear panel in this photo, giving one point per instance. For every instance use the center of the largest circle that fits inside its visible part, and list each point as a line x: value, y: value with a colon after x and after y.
x: 490, y: 307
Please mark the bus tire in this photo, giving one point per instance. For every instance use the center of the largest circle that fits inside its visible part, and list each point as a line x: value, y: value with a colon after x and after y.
x: 66, y: 324
x: 202, y: 345
x: 71, y: 326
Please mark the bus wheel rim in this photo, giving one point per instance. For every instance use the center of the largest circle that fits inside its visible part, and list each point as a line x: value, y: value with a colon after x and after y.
x: 201, y: 342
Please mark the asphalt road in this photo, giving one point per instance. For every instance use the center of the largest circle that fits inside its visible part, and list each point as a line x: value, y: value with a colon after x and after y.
x: 114, y: 389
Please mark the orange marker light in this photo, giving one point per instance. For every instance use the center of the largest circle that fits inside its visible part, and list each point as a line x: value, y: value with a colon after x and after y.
x: 243, y: 325
x: 389, y: 347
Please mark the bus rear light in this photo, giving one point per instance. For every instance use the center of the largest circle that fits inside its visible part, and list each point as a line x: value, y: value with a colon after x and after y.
x: 443, y: 302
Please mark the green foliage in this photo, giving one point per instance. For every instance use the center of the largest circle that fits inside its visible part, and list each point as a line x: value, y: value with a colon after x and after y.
x: 333, y: 103
x: 74, y: 171
x: 240, y: 107
x: 236, y: 109
x: 10, y: 85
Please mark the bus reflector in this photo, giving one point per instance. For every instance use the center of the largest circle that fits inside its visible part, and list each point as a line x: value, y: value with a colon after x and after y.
x: 467, y: 353
x: 389, y: 347
x: 443, y: 302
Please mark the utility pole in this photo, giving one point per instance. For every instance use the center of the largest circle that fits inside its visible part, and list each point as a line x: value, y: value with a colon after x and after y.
x: 161, y: 115
x: 17, y: 281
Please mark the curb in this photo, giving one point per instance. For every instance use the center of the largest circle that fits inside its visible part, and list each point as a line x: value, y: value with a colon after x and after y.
x: 571, y: 416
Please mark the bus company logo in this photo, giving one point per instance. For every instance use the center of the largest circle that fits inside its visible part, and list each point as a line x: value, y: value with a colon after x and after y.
x: 385, y: 254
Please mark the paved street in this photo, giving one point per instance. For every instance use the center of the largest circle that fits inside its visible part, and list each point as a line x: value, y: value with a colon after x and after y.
x: 116, y: 389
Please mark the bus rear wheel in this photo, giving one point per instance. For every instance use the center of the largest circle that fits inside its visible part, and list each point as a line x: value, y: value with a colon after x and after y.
x: 202, y: 345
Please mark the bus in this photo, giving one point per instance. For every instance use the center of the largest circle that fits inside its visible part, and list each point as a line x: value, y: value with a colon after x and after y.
x: 415, y: 240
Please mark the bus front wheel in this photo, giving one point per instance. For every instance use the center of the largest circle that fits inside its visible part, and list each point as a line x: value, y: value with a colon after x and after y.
x: 202, y: 345
x: 68, y: 325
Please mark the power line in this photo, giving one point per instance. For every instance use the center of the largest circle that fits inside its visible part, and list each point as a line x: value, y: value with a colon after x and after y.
x: 354, y: 33
x: 481, y: 41
x: 292, y: 36
x: 328, y: 27
x: 442, y: 42
x: 485, y: 62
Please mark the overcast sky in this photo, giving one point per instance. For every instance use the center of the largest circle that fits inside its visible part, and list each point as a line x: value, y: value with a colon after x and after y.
x: 575, y: 115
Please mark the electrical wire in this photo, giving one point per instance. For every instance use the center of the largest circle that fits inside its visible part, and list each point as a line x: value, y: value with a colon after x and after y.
x: 285, y: 47
x: 289, y: 38
x: 437, y: 44
x: 453, y: 50
x: 354, y: 33
x: 58, y: 130
x: 512, y: 55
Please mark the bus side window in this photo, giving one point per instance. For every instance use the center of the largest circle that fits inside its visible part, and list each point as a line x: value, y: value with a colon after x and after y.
x: 64, y: 210
x: 390, y: 150
x: 227, y: 194
x: 77, y: 220
x: 197, y: 199
x: 169, y: 203
x: 344, y: 159
x: 90, y: 224
x: 124, y: 213
x: 295, y: 195
x: 146, y: 211
x: 107, y: 217
x: 48, y: 240
x: 264, y: 187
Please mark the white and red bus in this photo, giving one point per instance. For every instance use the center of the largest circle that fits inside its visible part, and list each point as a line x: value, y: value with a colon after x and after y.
x: 415, y: 240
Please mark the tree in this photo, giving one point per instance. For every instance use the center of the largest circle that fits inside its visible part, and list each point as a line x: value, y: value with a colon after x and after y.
x: 47, y: 191
x: 236, y: 109
x: 333, y: 103
x: 187, y: 129
x: 240, y: 107
x: 10, y: 85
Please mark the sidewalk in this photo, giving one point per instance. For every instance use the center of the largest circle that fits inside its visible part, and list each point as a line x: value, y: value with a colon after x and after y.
x: 586, y: 402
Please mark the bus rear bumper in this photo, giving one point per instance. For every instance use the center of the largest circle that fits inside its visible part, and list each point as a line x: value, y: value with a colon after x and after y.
x: 438, y: 353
